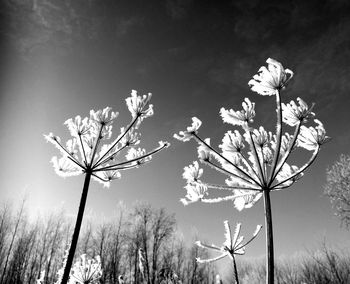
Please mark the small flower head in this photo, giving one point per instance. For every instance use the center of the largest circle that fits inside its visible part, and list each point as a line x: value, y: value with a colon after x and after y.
x: 233, y: 244
x: 195, y: 192
x: 246, y: 199
x: 270, y: 79
x: 293, y: 113
x: 312, y: 137
x: 103, y: 117
x: 64, y: 167
x: 138, y: 154
x: 261, y: 137
x: 87, y: 271
x: 191, y: 130
x: 239, y: 117
x: 267, y: 155
x: 78, y: 126
x: 192, y: 173
x: 131, y: 138
x: 139, y: 106
x: 232, y: 142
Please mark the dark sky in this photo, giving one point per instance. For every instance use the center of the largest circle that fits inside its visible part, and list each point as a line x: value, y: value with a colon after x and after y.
x: 63, y: 58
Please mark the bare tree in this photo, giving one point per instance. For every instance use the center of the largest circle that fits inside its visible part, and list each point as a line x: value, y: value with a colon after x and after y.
x: 17, y: 223
x: 337, y: 188
x: 163, y: 227
x: 5, y: 226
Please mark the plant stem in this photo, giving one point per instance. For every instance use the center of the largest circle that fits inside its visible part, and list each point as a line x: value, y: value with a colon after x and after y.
x: 235, y: 269
x: 78, y: 222
x: 269, y: 238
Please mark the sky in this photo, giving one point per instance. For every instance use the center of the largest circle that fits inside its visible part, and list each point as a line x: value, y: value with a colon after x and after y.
x: 60, y: 59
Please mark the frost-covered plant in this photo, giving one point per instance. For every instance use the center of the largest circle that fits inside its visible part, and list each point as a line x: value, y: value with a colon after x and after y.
x: 232, y: 246
x: 84, y: 271
x: 92, y: 152
x: 255, y: 161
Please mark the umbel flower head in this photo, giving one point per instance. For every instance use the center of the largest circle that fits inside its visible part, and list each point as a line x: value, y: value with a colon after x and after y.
x: 92, y: 149
x: 233, y: 243
x: 254, y: 160
x: 86, y: 270
x: 270, y: 79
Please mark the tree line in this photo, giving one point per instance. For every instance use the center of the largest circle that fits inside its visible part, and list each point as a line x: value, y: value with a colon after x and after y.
x: 28, y: 247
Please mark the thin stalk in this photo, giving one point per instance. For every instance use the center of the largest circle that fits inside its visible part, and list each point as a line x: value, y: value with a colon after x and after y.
x: 269, y: 238
x: 225, y: 159
x: 235, y: 269
x: 117, y: 141
x: 109, y: 158
x: 245, y: 161
x: 78, y: 222
x: 226, y: 187
x: 285, y: 157
x: 83, y: 149
x: 132, y: 160
x: 278, y: 136
x: 98, y: 139
x: 69, y: 154
x: 229, y: 173
x: 302, y: 169
x: 256, y: 157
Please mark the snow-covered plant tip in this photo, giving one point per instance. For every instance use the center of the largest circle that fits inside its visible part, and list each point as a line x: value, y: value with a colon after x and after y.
x: 232, y: 246
x: 255, y: 161
x: 233, y: 243
x: 85, y: 153
x: 93, y: 152
x: 85, y: 271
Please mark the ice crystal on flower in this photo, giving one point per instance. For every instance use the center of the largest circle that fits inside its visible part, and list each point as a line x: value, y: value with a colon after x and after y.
x: 233, y: 244
x: 232, y: 142
x: 87, y: 271
x: 191, y: 130
x: 293, y: 113
x: 261, y: 137
x: 246, y: 199
x: 65, y: 167
x: 103, y: 117
x: 312, y: 137
x: 195, y: 192
x: 78, y: 126
x: 192, y: 173
x: 270, y: 79
x: 239, y: 117
x: 139, y: 107
x: 85, y: 152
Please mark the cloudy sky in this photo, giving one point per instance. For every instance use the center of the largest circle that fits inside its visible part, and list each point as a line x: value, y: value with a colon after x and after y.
x: 63, y: 58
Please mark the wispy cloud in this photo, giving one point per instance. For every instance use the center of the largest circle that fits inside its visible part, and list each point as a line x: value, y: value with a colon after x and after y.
x: 178, y: 9
x: 124, y: 25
